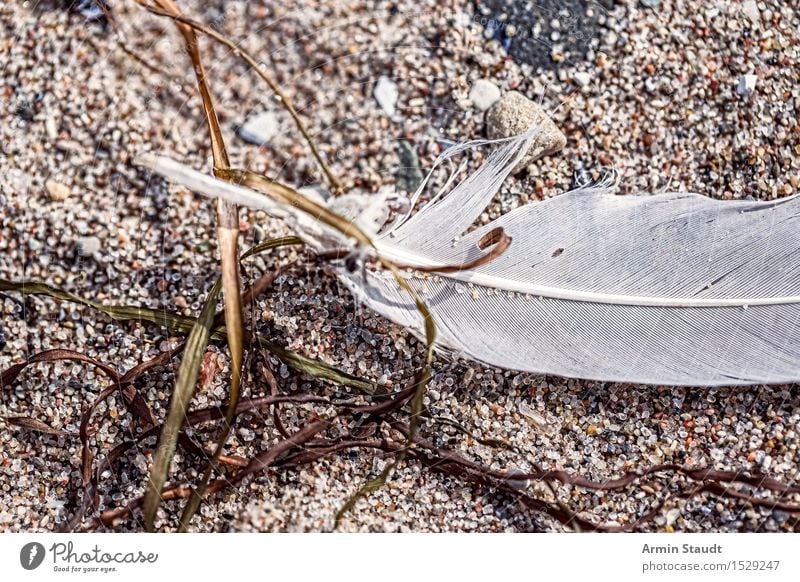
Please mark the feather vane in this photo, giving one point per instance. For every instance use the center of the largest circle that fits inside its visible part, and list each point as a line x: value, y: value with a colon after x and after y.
x: 674, y: 289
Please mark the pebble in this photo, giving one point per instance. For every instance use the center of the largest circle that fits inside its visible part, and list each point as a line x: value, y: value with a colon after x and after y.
x: 484, y: 94
x: 88, y: 9
x: 514, y: 114
x: 489, y: 31
x: 386, y: 94
x: 67, y: 146
x: 51, y: 127
x: 89, y: 245
x: 747, y: 85
x: 582, y: 78
x: 260, y: 128
x: 750, y: 9
x: 409, y: 174
x: 58, y: 192
x: 650, y: 3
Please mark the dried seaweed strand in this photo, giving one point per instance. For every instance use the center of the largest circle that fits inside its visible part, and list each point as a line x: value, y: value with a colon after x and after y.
x: 333, y: 181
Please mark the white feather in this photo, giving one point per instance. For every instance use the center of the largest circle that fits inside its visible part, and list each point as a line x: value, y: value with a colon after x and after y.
x: 671, y: 289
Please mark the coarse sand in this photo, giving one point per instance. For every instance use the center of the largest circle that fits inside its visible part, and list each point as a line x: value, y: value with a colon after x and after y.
x: 652, y: 94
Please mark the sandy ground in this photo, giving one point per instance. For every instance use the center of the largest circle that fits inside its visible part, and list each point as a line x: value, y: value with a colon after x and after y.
x: 660, y: 106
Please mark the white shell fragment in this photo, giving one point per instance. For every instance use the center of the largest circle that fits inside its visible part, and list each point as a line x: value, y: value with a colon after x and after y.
x: 386, y: 94
x: 260, y: 128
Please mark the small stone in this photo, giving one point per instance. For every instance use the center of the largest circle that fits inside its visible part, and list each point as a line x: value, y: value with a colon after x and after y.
x: 750, y: 9
x: 491, y: 28
x: 51, y: 127
x: 90, y: 11
x: 24, y: 110
x: 409, y: 173
x: 67, y: 146
x: 484, y: 94
x: 650, y: 3
x: 260, y: 128
x: 88, y: 245
x: 582, y: 78
x: 58, y: 192
x: 386, y: 94
x: 673, y: 515
x: 747, y: 85
x: 514, y: 114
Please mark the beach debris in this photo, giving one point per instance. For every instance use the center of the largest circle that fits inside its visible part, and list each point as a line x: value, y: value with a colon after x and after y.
x: 582, y: 78
x: 514, y: 114
x: 409, y: 174
x: 386, y: 94
x: 484, y: 94
x: 750, y: 9
x: 747, y: 85
x: 58, y: 192
x: 88, y: 245
x: 260, y: 128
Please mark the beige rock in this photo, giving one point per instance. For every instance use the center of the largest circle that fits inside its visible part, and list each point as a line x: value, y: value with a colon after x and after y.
x: 58, y: 192
x: 514, y: 114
